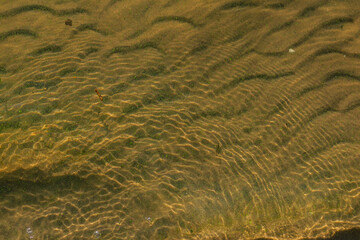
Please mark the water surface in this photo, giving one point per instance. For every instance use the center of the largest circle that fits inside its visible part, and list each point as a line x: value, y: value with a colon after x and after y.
x: 212, y: 119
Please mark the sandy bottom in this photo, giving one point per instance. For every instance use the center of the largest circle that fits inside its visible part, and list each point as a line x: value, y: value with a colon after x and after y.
x: 213, y: 119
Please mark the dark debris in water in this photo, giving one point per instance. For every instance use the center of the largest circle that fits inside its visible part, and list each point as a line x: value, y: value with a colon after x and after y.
x: 68, y: 22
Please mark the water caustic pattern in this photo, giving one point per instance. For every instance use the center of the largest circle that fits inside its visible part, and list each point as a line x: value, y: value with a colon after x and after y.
x: 217, y: 119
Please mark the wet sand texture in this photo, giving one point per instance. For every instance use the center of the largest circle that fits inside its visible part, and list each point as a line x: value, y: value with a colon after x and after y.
x: 218, y: 119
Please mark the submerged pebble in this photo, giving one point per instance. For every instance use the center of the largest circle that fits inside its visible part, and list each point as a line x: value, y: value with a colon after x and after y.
x: 30, y: 233
x: 96, y: 234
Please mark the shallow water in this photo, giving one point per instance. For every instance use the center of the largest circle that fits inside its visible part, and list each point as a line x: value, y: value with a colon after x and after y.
x: 211, y: 120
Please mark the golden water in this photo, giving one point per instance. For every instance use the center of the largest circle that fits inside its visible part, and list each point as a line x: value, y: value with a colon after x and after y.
x: 218, y: 120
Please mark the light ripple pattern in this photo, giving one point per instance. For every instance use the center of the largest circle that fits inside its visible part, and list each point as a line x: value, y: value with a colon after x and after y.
x: 218, y: 119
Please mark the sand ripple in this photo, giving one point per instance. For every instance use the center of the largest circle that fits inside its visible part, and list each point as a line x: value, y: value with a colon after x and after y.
x: 219, y: 119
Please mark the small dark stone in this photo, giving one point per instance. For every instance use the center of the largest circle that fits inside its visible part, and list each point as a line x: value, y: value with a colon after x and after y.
x: 218, y: 149
x: 68, y: 22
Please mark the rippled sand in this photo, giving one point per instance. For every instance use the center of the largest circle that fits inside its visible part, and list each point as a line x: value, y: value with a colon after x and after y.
x: 218, y: 120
